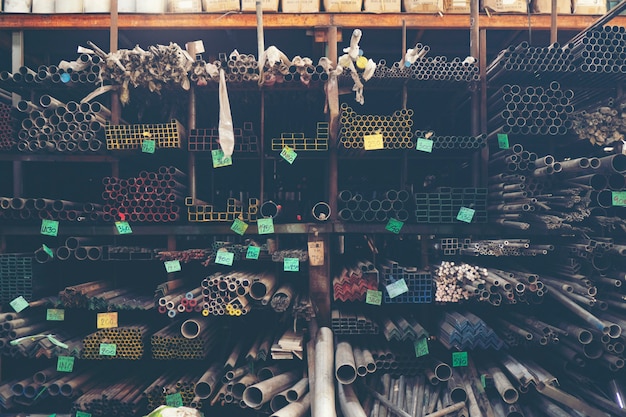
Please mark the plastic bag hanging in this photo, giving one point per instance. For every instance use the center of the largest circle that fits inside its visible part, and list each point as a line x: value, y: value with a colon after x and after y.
x: 226, y: 132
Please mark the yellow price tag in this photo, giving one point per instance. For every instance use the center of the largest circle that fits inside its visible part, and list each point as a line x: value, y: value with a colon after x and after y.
x: 107, y: 320
x: 373, y: 142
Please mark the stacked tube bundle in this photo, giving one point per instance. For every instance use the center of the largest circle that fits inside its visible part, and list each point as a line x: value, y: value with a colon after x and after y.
x: 7, y: 141
x: 129, y: 342
x: 395, y: 129
x: 443, y: 206
x: 354, y: 207
x: 419, y: 283
x: 16, y: 276
x: 15, y: 208
x: 207, y: 140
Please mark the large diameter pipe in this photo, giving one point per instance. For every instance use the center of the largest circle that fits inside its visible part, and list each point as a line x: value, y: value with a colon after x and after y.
x: 298, y: 390
x: 258, y: 394
x: 348, y: 401
x: 323, y: 404
x: 295, y: 409
x: 504, y: 387
x: 345, y: 367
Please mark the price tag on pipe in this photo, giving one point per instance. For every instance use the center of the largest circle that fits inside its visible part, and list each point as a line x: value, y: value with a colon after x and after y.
x: 619, y: 198
x: 223, y: 257
x: 49, y: 227
x: 47, y: 250
x: 106, y: 320
x: 265, y: 226
x: 373, y: 142
x: 174, y: 400
x: 421, y: 347
x: 288, y: 154
x: 65, y: 363
x: 19, y: 304
x: 55, y: 314
x: 503, y: 141
x: 397, y: 288
x: 459, y: 359
x: 219, y: 159
x: 374, y: 297
x: 148, y: 145
x: 108, y: 349
x: 291, y: 264
x: 239, y: 227
x: 424, y: 145
x: 253, y: 252
x: 394, y: 226
x: 316, y: 253
x: 82, y: 414
x: 123, y: 228
x: 465, y: 214
x: 172, y: 266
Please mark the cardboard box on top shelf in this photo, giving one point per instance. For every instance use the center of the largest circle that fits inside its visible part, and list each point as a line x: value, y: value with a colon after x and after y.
x: 545, y: 6
x: 505, y: 6
x: 423, y: 6
x: 382, y: 6
x: 300, y: 6
x: 184, y: 6
x: 343, y: 6
x: 215, y: 6
x: 266, y: 5
x: 597, y: 7
x: 456, y: 6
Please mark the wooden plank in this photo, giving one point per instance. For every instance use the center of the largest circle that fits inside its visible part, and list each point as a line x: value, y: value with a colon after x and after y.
x: 319, y: 283
x: 207, y: 21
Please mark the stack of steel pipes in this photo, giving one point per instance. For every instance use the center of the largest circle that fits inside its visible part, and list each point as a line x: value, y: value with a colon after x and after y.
x: 443, y: 206
x: 602, y: 123
x: 16, y: 276
x: 453, y: 141
x: 189, y: 339
x: 149, y: 197
x: 29, y: 390
x: 104, y: 295
x: 354, y: 280
x: 519, y: 330
x: 107, y: 398
x: 532, y: 110
x: 180, y: 381
x: 235, y: 293
x: 353, y: 207
x: 503, y: 247
x: 129, y: 342
x: 184, y: 256
x: 420, y: 284
x: 395, y: 129
x: 179, y: 301
x: 207, y: 140
x: 599, y: 55
x: 84, y: 70
x: 53, y: 126
x: 7, y: 141
x: 280, y: 255
x: 44, y: 208
x: 343, y: 322
x: 463, y: 331
x: 29, y: 336
x: 393, y: 357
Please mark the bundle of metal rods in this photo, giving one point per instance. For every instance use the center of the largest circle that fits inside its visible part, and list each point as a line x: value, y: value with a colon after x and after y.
x: 519, y: 330
x: 16, y: 276
x: 7, y: 141
x: 601, y: 124
x: 206, y: 140
x: 354, y: 280
x: 354, y: 207
x: 44, y: 208
x: 343, y: 322
x: 106, y: 398
x: 453, y: 141
x: 84, y: 70
x: 463, y: 331
x: 184, y: 256
x: 235, y: 293
x: 128, y: 340
x: 532, y: 110
x: 190, y: 339
x: 503, y: 247
x: 280, y: 255
x: 180, y: 381
x: 419, y: 283
x: 149, y: 197
x: 395, y: 129
x: 53, y: 126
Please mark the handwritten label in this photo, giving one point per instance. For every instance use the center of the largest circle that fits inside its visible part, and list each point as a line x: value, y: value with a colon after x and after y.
x: 288, y: 154
x: 394, y: 226
x: 239, y: 227
x: 503, y: 141
x: 55, y: 314
x: 172, y: 266
x: 49, y: 227
x: 82, y: 414
x: 65, y: 363
x: 174, y: 400
x: 123, y: 228
x: 619, y: 198
x: 106, y: 320
x: 397, y: 288
x: 223, y: 257
x: 291, y: 264
x: 148, y: 146
x: 465, y: 214
x: 265, y: 226
x: 48, y: 251
x: 424, y: 145
x: 316, y: 253
x: 373, y: 142
x: 219, y: 160
x: 421, y: 347
x: 459, y: 359
x: 108, y: 349
x: 19, y: 304
x: 374, y: 297
x: 253, y: 252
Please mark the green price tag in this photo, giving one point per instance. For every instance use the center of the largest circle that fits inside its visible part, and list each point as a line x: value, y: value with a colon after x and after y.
x: 49, y: 227
x: 503, y: 141
x: 265, y: 226
x: 55, y: 314
x: 291, y: 264
x: 223, y: 257
x: 394, y: 225
x: 148, y: 146
x: 397, y: 288
x: 374, y: 297
x: 253, y: 252
x: 108, y: 349
x: 174, y: 400
x: 459, y: 359
x: 47, y: 250
x: 465, y: 214
x: 239, y: 227
x: 288, y: 154
x: 65, y: 363
x: 123, y: 228
x: 483, y: 380
x: 219, y: 160
x: 172, y: 266
x: 424, y: 145
x: 19, y: 304
x: 421, y: 347
x: 82, y: 414
x: 619, y: 198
